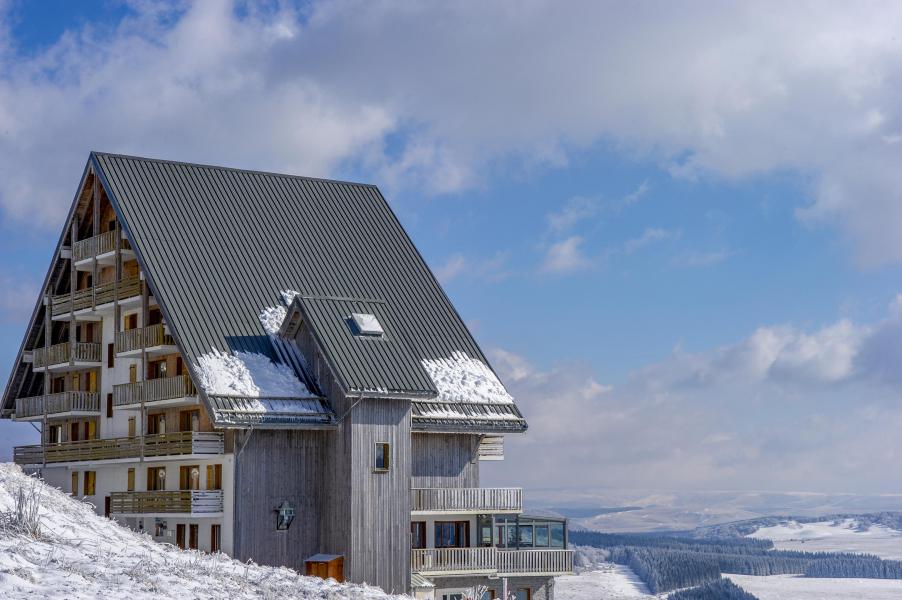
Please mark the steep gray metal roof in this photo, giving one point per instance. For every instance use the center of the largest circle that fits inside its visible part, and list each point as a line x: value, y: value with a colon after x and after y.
x: 380, y: 366
x: 218, y: 245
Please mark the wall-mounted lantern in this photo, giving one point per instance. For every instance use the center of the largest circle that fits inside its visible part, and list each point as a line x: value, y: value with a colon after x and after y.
x: 284, y: 516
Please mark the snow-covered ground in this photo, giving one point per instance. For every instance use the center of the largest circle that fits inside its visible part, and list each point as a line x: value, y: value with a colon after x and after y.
x: 79, y: 554
x: 605, y: 581
x: 793, y: 587
x: 830, y: 536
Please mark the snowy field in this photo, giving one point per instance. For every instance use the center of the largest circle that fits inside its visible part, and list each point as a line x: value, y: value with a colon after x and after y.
x: 793, y: 587
x: 605, y: 581
x: 79, y: 554
x: 834, y: 537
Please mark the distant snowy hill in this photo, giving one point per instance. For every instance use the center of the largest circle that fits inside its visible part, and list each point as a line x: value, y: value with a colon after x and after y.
x: 78, y: 554
x: 840, y: 535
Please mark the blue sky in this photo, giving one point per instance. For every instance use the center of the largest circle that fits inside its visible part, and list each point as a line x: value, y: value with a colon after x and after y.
x: 644, y: 215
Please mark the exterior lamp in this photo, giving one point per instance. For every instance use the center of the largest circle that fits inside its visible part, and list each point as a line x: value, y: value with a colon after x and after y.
x: 284, y: 516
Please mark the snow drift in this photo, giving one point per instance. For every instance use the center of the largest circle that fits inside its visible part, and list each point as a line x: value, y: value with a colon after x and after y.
x: 74, y: 553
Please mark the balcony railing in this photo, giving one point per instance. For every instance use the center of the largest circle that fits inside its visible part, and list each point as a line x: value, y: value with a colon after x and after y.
x: 132, y: 340
x: 165, y: 444
x: 97, y: 245
x: 466, y: 500
x: 153, y: 390
x: 182, y: 501
x: 96, y: 296
x: 66, y: 353
x: 432, y: 561
x: 52, y: 404
x: 535, y: 562
x: 448, y: 561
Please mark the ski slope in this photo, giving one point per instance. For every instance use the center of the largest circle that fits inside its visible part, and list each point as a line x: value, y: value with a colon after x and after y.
x: 794, y: 587
x: 830, y: 536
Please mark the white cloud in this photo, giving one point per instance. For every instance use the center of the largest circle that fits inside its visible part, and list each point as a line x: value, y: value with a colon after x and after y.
x: 783, y: 409
x: 575, y: 210
x: 648, y: 237
x: 731, y: 90
x: 486, y: 270
x: 566, y: 256
x: 697, y: 259
x: 18, y: 294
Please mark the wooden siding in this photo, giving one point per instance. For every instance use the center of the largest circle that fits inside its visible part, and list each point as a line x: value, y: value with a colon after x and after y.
x: 277, y: 466
x: 442, y: 460
x: 160, y: 501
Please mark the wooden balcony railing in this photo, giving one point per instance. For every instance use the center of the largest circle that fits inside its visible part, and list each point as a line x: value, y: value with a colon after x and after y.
x: 52, y: 404
x: 535, y: 562
x: 153, y: 390
x: 466, y: 500
x: 97, y: 245
x: 166, y: 444
x: 146, y: 337
x: 182, y: 501
x: 66, y: 353
x: 96, y: 296
x: 453, y: 560
x: 447, y: 561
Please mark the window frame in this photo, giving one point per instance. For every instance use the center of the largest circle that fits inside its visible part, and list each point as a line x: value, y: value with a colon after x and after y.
x: 385, y: 456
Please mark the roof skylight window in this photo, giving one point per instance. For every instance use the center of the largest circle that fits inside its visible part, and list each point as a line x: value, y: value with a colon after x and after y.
x: 367, y: 324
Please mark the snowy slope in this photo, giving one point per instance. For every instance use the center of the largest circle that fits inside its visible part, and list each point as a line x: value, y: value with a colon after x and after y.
x: 82, y: 555
x: 793, y: 587
x: 605, y: 581
x: 830, y: 536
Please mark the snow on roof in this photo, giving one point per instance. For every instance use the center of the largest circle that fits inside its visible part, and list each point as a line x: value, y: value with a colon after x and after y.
x: 272, y: 317
x: 465, y: 379
x: 448, y: 411
x: 80, y: 554
x: 248, y: 374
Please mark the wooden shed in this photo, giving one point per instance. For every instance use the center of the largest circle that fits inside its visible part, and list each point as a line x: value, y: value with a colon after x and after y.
x: 325, y: 566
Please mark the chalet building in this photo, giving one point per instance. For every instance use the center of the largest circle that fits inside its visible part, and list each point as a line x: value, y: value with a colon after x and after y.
x: 264, y: 365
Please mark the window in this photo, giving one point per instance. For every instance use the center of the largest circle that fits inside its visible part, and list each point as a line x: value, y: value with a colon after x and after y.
x: 156, y: 479
x: 525, y: 535
x: 154, y: 316
x: 73, y: 432
x: 180, y: 535
x: 382, y: 457
x: 59, y: 385
x: 214, y: 477
x: 130, y: 321
x: 452, y: 534
x: 156, y: 424
x: 107, y: 506
x: 193, y: 531
x: 90, y: 481
x: 111, y: 225
x: 215, y: 538
x: 90, y: 430
x: 366, y: 324
x: 557, y: 535
x: 189, y: 420
x: 189, y: 477
x: 75, y: 483
x: 418, y: 534
x: 524, y: 594
x: 133, y: 373
x: 109, y: 406
x: 56, y: 434
x: 132, y: 427
x: 542, y: 537
x: 179, y: 366
x: 110, y: 356
x: 130, y: 483
x: 156, y: 369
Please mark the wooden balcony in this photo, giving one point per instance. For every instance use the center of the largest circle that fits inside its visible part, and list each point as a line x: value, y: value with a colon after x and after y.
x: 98, y: 246
x: 97, y: 296
x: 453, y: 561
x: 64, y: 404
x: 186, y: 502
x: 66, y: 356
x: 153, y: 339
x: 466, y: 500
x: 535, y: 562
x: 174, y: 389
x: 165, y: 444
x: 491, y: 561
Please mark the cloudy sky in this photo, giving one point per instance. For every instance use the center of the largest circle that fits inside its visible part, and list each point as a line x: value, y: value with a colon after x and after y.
x: 674, y: 226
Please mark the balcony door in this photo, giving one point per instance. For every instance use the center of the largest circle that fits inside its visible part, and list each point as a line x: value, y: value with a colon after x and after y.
x: 156, y: 478
x: 189, y: 477
x: 452, y: 534
x: 180, y: 535
x: 193, y: 534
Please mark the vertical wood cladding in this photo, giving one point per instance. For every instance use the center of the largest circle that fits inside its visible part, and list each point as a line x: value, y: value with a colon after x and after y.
x: 444, y: 460
x: 277, y: 466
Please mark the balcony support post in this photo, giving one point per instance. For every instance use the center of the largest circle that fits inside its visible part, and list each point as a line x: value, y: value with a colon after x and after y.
x: 144, y: 315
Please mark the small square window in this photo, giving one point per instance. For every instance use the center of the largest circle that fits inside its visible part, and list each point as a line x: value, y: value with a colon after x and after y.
x: 382, y: 458
x: 367, y: 324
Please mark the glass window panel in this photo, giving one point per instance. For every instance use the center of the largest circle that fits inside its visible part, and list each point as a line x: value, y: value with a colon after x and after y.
x: 557, y: 535
x: 526, y: 535
x: 542, y: 536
